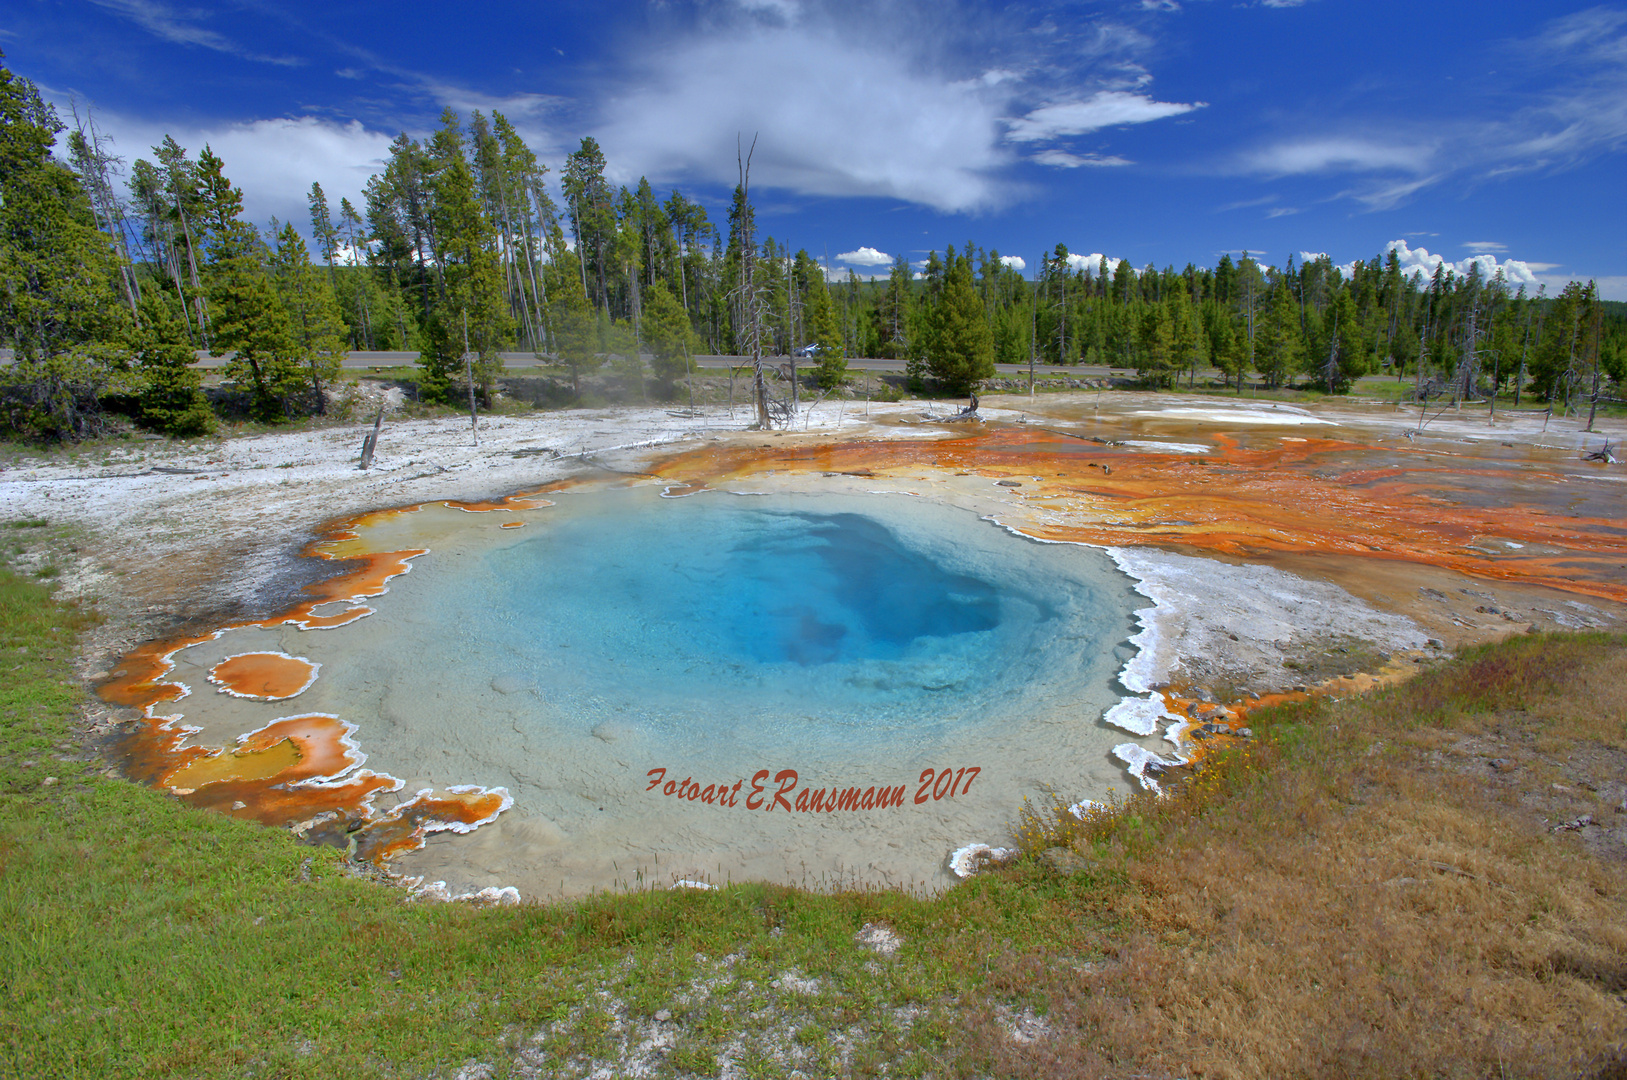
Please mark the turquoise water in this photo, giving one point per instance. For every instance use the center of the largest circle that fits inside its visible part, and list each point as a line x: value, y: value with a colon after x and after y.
x: 725, y: 610
x: 857, y: 640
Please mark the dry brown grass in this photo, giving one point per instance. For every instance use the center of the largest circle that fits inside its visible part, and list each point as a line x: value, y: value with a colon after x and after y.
x: 1354, y: 899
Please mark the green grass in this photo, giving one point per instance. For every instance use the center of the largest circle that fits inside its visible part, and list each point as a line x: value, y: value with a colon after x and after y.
x: 146, y: 939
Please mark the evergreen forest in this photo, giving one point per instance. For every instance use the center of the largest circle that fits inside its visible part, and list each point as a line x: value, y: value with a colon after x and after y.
x: 115, y: 274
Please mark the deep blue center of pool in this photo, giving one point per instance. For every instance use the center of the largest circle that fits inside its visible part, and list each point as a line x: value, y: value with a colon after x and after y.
x: 816, y: 588
x: 729, y: 606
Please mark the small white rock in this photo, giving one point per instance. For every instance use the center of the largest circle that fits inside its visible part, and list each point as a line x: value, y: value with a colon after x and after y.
x: 879, y: 938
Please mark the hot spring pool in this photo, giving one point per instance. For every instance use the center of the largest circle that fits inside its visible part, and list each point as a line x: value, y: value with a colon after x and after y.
x: 811, y: 688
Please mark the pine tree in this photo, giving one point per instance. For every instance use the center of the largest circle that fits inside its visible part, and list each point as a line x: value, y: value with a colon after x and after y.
x: 470, y: 306
x: 322, y: 229
x: 894, y: 313
x: 1188, y: 344
x: 1278, y: 343
x: 359, y: 295
x: 170, y: 397
x: 313, y: 312
x: 1342, y: 352
x: 59, y: 307
x: 1155, y: 352
x: 178, y: 180
x: 1555, y: 368
x: 95, y: 167
x: 247, y: 319
x: 592, y: 215
x: 818, y: 322
x: 667, y: 333
x: 959, y: 347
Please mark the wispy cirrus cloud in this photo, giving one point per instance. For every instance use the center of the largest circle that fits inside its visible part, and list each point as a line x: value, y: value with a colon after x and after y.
x: 1105, y: 108
x: 183, y: 28
x: 1061, y: 159
x: 1579, y: 112
x: 1339, y: 154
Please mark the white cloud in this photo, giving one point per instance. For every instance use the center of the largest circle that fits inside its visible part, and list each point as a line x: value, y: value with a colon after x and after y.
x: 1484, y: 246
x: 865, y: 256
x: 1061, y: 159
x: 1093, y: 262
x: 273, y: 161
x: 1264, y: 200
x: 1337, y: 155
x: 1105, y: 108
x: 853, y: 121
x: 181, y: 28
x: 1281, y: 211
x: 1517, y: 272
x: 1580, y: 115
x: 1423, y: 261
x: 1385, y: 194
x: 785, y: 9
x: 1016, y: 262
x: 1613, y: 287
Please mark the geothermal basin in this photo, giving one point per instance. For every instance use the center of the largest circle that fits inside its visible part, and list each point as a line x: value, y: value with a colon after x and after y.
x: 623, y: 685
x: 670, y: 669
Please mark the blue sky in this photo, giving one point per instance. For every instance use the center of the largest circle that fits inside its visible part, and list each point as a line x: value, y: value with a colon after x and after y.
x: 1162, y: 131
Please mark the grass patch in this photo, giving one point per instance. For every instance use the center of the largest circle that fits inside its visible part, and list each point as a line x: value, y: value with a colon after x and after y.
x: 1283, y: 913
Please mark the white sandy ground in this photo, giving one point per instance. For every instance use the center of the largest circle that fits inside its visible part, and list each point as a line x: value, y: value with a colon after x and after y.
x: 157, y: 546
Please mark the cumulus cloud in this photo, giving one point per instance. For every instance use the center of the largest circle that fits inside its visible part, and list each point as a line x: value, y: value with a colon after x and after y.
x: 1061, y: 159
x: 1093, y: 262
x: 273, y: 161
x: 1016, y: 262
x: 865, y: 256
x: 1105, y: 108
x: 1421, y: 260
x: 904, y: 100
x: 853, y: 121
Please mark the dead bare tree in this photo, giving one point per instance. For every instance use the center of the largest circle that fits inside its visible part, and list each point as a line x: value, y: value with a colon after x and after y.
x: 1593, y: 344
x: 370, y: 443
x: 1330, y: 370
x: 1468, y: 370
x: 750, y: 308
